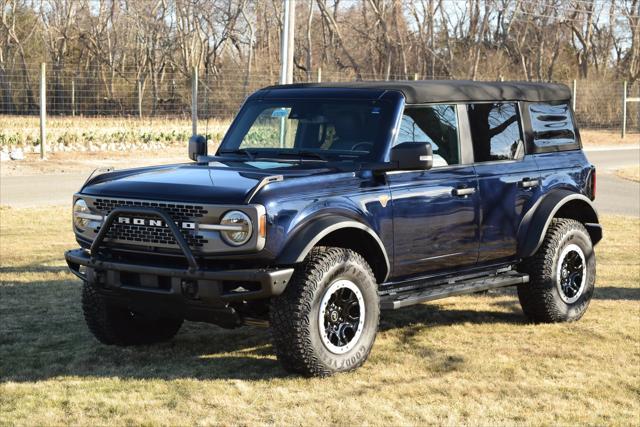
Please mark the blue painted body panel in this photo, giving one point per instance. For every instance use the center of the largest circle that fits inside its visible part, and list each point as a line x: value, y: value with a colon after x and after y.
x: 424, y: 227
x: 568, y: 170
x: 227, y: 182
x: 293, y: 204
x: 503, y: 204
x: 434, y: 230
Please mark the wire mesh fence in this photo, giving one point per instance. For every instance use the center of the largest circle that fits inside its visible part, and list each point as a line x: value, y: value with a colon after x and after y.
x: 599, y: 104
x: 114, y: 106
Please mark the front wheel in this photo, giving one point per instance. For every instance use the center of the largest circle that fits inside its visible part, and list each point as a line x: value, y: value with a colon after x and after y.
x: 327, y: 319
x: 562, y: 274
x: 115, y: 325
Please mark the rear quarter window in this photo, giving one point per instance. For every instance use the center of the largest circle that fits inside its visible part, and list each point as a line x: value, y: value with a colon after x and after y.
x: 553, y: 127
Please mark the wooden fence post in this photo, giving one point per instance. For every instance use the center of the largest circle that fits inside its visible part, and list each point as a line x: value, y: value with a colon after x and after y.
x: 624, y: 109
x: 73, y: 97
x: 139, y: 98
x: 43, y: 110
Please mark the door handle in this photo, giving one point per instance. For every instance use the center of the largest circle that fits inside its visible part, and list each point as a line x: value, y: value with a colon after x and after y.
x: 529, y: 183
x: 463, y: 192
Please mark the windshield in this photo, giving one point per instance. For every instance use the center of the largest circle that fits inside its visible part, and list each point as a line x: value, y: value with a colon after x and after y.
x: 317, y: 130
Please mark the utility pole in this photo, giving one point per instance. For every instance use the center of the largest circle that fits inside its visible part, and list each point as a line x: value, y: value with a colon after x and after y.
x: 292, y: 43
x: 194, y: 100
x: 287, y: 41
x: 286, y: 55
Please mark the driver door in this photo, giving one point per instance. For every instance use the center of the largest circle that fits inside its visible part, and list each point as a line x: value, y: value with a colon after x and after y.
x: 435, y: 212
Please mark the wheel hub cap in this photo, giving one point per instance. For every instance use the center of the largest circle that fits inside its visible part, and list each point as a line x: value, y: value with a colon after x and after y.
x: 572, y: 273
x: 341, y: 317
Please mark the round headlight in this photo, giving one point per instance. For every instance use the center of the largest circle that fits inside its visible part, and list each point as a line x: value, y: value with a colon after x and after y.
x: 238, y: 230
x: 80, y: 206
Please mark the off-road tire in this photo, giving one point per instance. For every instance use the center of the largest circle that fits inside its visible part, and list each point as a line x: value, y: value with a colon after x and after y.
x: 294, y: 314
x: 114, y: 325
x: 540, y: 298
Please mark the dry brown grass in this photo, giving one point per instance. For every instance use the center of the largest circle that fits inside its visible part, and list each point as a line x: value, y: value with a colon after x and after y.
x: 24, y: 130
x: 591, y: 138
x: 470, y: 360
x: 599, y: 137
x: 631, y: 173
x: 173, y: 132
x: 85, y: 162
x: 29, y: 125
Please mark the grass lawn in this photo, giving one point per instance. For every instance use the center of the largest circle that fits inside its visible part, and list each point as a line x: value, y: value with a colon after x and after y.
x: 466, y: 360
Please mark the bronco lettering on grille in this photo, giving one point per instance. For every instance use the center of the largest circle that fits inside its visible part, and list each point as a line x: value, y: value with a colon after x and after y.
x: 154, y: 222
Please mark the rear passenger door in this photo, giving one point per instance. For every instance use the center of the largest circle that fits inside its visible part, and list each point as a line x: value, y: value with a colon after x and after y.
x: 508, y: 179
x: 435, y: 211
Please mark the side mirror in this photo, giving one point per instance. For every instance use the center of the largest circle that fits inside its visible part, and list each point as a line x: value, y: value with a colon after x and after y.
x: 412, y: 156
x: 197, y: 147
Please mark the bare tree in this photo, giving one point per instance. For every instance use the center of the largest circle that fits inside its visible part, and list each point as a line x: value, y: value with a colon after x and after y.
x: 112, y: 46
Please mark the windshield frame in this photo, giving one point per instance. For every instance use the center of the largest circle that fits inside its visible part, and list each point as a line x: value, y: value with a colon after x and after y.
x: 392, y: 103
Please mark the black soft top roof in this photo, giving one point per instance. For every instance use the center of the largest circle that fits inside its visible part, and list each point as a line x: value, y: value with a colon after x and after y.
x: 425, y: 91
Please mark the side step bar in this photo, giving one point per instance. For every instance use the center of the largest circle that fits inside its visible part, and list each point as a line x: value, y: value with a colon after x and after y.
x: 433, y: 292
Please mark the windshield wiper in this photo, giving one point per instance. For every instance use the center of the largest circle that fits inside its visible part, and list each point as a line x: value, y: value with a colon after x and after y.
x: 302, y: 153
x: 242, y: 151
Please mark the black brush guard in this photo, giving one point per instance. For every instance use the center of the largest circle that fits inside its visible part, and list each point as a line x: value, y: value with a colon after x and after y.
x: 192, y: 282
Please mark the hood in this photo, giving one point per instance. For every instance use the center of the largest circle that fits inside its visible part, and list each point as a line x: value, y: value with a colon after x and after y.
x: 216, y: 182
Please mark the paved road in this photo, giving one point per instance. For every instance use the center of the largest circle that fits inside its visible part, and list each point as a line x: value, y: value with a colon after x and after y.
x: 614, y: 195
x: 39, y: 190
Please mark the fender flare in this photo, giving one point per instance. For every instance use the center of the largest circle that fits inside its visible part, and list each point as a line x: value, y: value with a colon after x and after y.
x: 302, y: 241
x: 535, y: 223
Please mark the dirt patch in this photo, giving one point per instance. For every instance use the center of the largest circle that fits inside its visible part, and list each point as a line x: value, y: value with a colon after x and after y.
x: 631, y: 173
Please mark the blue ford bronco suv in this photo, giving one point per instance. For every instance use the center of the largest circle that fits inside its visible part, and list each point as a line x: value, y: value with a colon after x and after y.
x: 327, y: 203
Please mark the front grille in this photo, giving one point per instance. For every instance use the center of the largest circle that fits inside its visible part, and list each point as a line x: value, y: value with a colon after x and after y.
x: 159, y: 235
x: 143, y: 234
x: 177, y: 211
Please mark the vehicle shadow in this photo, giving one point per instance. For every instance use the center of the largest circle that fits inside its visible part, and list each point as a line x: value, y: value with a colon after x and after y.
x: 433, y: 315
x: 616, y: 293
x: 34, y: 269
x: 43, y: 336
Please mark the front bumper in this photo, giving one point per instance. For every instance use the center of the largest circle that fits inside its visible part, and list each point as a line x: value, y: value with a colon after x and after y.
x: 195, y: 284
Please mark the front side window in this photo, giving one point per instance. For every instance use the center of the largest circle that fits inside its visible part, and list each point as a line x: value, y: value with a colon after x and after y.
x: 437, y: 125
x: 552, y: 125
x: 495, y: 131
x: 318, y: 129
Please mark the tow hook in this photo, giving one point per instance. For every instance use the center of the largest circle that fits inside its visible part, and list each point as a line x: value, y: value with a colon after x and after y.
x: 189, y: 288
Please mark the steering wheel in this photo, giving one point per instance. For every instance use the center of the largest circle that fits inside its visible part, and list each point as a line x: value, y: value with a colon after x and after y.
x: 366, y: 144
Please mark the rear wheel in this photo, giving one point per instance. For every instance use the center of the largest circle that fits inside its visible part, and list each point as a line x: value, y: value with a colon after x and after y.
x: 562, y: 274
x: 327, y: 319
x: 115, y: 325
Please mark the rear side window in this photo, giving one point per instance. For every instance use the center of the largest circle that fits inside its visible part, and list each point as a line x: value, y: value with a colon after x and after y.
x: 495, y: 130
x: 552, y: 126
